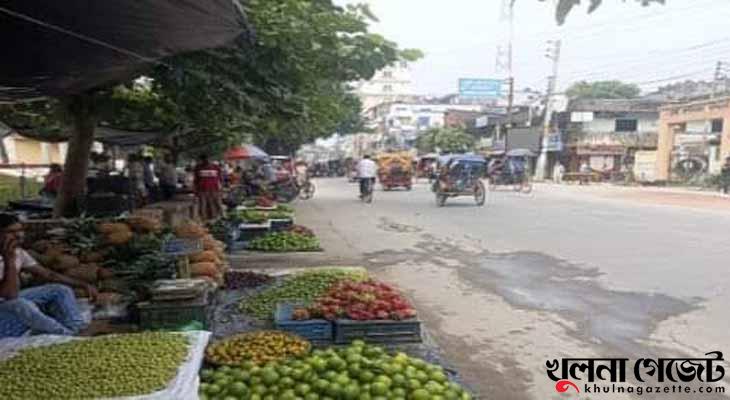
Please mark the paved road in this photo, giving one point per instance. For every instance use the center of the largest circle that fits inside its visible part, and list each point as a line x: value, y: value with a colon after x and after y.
x: 564, y: 272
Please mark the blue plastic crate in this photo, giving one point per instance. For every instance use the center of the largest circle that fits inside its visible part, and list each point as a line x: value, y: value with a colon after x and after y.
x: 314, y: 330
x: 380, y: 331
x: 281, y: 224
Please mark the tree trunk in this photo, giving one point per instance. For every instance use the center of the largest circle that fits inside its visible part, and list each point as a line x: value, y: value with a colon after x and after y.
x: 83, y: 114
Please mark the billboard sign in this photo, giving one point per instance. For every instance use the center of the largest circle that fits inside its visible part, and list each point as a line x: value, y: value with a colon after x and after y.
x: 480, y: 88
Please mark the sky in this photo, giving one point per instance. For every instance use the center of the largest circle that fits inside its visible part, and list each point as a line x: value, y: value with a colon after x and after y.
x: 650, y: 46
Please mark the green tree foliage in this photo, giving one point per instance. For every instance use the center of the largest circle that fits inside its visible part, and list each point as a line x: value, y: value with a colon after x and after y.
x: 564, y: 7
x: 445, y: 140
x: 603, y: 90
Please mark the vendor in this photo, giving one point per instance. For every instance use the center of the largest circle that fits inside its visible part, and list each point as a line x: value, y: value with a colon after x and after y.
x: 52, y: 182
x: 208, y: 183
x: 50, y: 308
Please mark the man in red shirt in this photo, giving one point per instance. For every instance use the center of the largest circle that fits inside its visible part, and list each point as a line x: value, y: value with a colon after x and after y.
x: 208, y: 183
x: 52, y: 182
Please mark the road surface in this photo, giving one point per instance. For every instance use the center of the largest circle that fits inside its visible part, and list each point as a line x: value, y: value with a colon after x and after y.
x: 567, y: 271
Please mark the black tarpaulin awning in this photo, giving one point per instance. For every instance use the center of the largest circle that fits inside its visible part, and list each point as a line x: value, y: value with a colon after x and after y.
x: 122, y: 138
x: 55, y: 48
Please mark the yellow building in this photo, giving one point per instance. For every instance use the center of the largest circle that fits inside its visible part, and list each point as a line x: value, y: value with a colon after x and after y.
x: 22, y: 150
x: 694, y: 138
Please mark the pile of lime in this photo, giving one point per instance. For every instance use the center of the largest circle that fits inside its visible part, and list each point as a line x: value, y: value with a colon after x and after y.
x: 287, y: 241
x: 108, y: 366
x: 300, y: 288
x: 356, y: 372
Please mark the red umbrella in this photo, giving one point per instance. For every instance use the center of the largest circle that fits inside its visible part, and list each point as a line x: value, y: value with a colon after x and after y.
x: 245, y: 152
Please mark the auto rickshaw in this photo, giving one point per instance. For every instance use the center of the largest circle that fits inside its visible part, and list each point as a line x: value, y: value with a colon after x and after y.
x: 395, y: 170
x: 425, y: 168
x: 461, y: 176
x: 511, y: 170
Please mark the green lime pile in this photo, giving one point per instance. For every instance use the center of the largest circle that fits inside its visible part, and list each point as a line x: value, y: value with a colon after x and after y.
x: 253, y: 217
x: 284, y: 241
x: 357, y: 372
x: 280, y: 215
x: 301, y: 288
x: 108, y: 366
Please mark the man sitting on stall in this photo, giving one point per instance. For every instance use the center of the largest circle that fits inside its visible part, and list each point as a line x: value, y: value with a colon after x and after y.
x: 50, y: 308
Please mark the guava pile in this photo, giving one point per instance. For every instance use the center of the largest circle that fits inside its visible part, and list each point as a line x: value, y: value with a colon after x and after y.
x: 356, y: 372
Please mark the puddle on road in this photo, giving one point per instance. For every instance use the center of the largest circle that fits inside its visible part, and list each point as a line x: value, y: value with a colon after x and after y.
x: 620, y: 320
x: 540, y: 282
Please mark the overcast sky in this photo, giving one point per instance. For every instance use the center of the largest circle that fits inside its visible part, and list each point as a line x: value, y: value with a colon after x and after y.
x: 648, y: 45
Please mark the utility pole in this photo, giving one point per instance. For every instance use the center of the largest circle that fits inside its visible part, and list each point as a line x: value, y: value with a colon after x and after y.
x: 553, y: 53
x: 508, y: 7
x: 720, y: 74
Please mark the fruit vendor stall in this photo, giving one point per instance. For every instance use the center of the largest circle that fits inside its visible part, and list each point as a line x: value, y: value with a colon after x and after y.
x: 268, y: 229
x: 204, y: 330
x: 271, y: 358
x: 124, y: 259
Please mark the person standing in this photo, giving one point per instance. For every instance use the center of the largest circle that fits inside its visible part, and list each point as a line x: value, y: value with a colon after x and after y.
x: 725, y: 176
x: 135, y: 173
x: 52, y: 182
x: 208, y: 183
x: 47, y: 309
x: 149, y: 178
x: 558, y: 172
x: 168, y: 178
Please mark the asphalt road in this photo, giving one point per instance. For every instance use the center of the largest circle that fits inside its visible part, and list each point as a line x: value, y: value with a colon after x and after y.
x: 564, y: 272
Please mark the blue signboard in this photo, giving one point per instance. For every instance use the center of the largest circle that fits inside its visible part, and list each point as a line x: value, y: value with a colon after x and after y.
x: 480, y: 88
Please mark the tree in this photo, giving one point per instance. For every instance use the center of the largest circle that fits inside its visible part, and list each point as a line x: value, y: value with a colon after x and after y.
x: 564, y: 7
x: 603, y: 90
x: 445, y: 140
x: 287, y: 88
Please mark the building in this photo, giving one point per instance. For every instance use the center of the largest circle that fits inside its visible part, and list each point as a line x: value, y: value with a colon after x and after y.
x: 694, y: 139
x: 401, y: 123
x: 391, y: 84
x: 17, y: 150
x: 605, y: 133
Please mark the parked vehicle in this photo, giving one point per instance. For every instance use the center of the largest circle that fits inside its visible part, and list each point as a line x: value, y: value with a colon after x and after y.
x: 461, y: 175
x: 510, y: 170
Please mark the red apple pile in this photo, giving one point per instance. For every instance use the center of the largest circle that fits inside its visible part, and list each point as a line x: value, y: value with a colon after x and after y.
x: 362, y: 301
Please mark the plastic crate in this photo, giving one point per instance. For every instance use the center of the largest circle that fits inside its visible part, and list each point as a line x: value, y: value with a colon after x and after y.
x: 173, y: 314
x: 314, y: 330
x: 384, y: 332
x: 281, y: 224
x: 249, y: 233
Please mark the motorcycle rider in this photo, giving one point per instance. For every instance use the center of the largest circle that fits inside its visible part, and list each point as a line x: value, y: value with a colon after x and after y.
x: 366, y: 170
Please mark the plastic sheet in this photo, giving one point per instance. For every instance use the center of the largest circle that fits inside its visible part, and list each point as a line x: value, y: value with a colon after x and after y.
x: 183, y: 387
